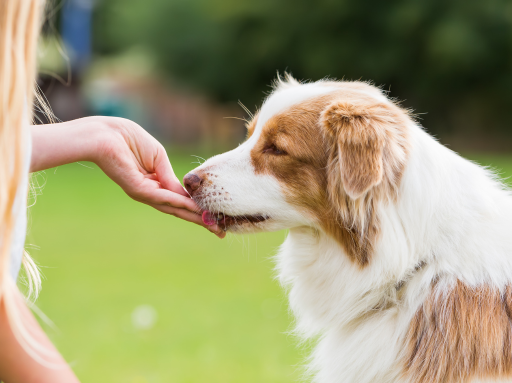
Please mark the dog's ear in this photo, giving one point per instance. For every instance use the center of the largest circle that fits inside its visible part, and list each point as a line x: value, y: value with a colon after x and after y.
x: 358, y: 135
x: 367, y: 149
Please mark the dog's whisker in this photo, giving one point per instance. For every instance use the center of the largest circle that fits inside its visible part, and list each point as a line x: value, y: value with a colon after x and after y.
x: 238, y: 118
x: 249, y: 113
x: 199, y: 158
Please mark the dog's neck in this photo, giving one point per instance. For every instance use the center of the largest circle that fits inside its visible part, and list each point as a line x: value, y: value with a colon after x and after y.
x: 326, y: 288
x: 363, y: 311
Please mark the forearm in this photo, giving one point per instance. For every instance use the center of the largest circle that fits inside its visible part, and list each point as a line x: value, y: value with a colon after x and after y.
x: 64, y: 143
x: 18, y: 366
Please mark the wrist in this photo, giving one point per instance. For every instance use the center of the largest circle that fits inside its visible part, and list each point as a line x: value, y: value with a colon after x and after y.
x: 97, y: 134
x: 105, y: 137
x: 72, y: 141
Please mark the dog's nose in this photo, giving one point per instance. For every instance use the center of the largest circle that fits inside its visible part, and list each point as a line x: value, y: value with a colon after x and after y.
x: 192, y: 183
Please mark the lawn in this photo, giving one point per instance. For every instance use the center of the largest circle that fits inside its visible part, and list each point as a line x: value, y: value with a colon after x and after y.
x: 138, y: 296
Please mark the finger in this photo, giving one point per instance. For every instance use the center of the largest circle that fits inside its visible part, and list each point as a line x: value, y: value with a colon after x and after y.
x: 165, y: 173
x: 167, y: 197
x: 190, y: 217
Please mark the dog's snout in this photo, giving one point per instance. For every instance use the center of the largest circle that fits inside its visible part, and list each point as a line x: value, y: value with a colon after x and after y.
x: 192, y: 183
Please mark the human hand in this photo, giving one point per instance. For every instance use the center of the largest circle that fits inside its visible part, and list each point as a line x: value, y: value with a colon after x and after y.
x: 127, y: 154
x: 138, y: 163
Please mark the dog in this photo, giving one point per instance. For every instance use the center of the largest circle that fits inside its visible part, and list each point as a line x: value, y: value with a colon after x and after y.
x: 398, y: 261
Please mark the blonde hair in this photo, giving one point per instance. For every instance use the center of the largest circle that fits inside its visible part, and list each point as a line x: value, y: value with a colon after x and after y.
x: 20, y: 23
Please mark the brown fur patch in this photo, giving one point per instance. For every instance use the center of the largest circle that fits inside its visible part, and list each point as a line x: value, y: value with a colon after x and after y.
x: 361, y: 140
x: 368, y: 153
x: 296, y: 133
x: 345, y: 151
x: 460, y: 334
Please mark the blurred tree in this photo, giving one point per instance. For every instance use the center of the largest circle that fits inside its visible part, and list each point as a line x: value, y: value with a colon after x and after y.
x: 450, y: 58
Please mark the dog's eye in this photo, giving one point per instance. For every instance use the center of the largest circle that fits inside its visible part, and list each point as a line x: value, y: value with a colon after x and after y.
x: 272, y: 149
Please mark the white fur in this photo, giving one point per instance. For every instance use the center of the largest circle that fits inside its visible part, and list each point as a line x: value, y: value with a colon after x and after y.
x: 451, y: 214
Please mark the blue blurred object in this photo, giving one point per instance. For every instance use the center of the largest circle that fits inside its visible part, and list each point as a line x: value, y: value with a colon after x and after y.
x: 76, y: 32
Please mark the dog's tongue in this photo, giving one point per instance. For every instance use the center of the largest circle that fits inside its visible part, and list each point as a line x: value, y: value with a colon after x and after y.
x: 209, y: 218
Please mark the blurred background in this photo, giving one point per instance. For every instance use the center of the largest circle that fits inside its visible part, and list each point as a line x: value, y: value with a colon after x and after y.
x: 179, y: 67
x: 137, y: 296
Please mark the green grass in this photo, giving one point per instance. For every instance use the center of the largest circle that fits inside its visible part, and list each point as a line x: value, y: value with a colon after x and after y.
x: 221, y: 317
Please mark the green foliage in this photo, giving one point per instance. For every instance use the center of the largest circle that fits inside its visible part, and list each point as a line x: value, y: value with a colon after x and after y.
x: 450, y: 58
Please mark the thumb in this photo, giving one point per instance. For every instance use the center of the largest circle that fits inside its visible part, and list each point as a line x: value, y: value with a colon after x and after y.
x: 165, y: 174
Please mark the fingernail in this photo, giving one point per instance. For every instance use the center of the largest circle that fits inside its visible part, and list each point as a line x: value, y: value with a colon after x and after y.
x: 219, y: 233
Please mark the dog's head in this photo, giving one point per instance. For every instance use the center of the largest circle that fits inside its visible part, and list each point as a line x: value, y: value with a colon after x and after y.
x: 321, y: 154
